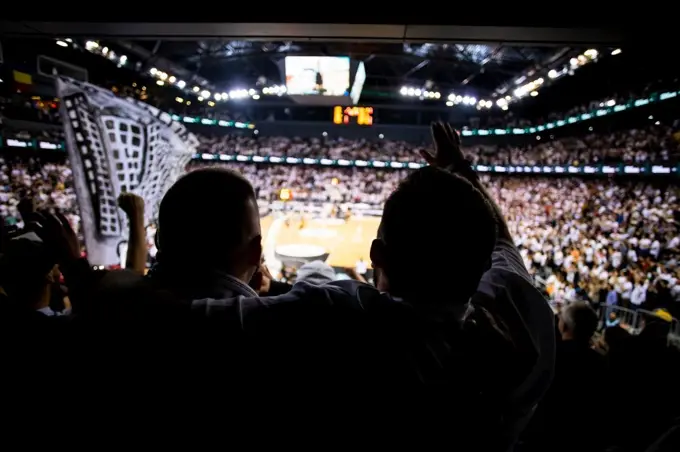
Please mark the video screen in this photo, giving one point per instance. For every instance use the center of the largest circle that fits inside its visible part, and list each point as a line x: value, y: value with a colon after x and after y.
x: 358, y: 85
x: 319, y: 75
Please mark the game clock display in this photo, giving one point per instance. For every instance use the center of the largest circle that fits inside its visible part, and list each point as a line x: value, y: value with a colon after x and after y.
x: 362, y: 116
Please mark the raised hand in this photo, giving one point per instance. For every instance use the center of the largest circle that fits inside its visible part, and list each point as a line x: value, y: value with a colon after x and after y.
x: 57, y: 234
x: 132, y: 205
x: 447, y: 151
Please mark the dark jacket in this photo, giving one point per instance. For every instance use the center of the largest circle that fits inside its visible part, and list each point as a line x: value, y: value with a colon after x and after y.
x: 491, y: 359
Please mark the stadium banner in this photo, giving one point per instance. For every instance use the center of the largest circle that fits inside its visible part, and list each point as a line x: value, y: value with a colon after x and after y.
x: 117, y: 145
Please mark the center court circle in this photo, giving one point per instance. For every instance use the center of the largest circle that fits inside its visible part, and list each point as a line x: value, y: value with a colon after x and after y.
x: 298, y: 254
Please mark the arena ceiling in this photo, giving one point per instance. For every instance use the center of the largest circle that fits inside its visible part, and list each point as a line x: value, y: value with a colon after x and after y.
x: 449, y: 51
x: 443, y: 67
x: 398, y: 48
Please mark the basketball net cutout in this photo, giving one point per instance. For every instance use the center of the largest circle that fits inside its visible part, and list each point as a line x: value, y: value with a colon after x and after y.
x: 118, y: 145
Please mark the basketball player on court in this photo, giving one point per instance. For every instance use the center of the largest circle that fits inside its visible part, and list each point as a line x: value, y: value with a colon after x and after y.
x: 348, y: 214
x: 361, y: 267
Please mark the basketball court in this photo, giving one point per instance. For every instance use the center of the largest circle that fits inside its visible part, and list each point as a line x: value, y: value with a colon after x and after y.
x: 344, y: 241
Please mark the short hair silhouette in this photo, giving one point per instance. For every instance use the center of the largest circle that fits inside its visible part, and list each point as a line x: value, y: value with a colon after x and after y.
x: 207, y: 214
x: 580, y: 320
x: 439, y: 232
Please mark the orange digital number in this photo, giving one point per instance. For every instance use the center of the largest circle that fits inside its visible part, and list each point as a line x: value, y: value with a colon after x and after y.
x: 363, y: 115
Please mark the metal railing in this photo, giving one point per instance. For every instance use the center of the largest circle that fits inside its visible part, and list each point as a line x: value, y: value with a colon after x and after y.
x: 634, y: 320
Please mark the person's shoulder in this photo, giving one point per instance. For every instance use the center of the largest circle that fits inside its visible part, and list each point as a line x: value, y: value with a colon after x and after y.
x: 578, y: 355
x: 302, y: 295
x: 348, y: 294
x: 309, y: 310
x: 504, y: 282
x: 121, y: 279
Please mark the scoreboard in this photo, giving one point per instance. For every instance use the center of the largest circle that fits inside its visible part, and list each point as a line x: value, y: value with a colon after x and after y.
x: 362, y: 116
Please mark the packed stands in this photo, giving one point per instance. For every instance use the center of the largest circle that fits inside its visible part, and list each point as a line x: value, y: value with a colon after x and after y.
x: 598, y: 237
x: 654, y: 144
x: 582, y: 237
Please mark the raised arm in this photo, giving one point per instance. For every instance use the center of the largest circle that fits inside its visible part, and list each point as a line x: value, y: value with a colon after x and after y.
x: 133, y: 206
x: 448, y: 155
x: 56, y: 232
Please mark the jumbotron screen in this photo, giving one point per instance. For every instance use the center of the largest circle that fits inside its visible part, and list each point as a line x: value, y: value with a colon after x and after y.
x: 317, y: 75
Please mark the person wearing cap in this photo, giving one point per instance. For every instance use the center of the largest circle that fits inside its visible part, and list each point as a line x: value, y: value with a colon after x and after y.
x: 316, y: 273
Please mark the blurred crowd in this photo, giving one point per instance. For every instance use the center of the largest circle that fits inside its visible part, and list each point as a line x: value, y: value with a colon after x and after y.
x: 462, y: 267
x: 24, y: 108
x: 510, y: 120
x: 590, y: 240
x: 656, y: 144
x: 55, y: 135
x: 582, y: 238
x: 49, y: 184
x: 321, y: 185
x: 597, y: 241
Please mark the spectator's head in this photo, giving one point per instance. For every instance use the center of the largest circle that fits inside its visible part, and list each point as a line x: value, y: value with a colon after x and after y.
x: 210, y: 219
x: 615, y: 337
x: 316, y: 272
x: 436, y: 237
x: 656, y: 328
x: 578, y: 322
x: 27, y: 271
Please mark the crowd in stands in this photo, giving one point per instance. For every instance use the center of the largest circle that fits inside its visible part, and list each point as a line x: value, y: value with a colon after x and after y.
x: 511, y: 120
x: 464, y: 267
x: 55, y: 135
x: 322, y: 185
x: 584, y: 239
x: 455, y: 304
x: 23, y: 108
x: 655, y: 144
x: 49, y: 184
x: 597, y: 241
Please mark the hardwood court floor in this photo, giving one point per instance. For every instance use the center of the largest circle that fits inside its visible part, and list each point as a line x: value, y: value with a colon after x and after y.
x: 346, y: 241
